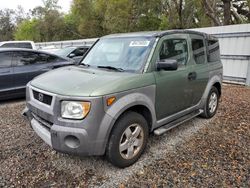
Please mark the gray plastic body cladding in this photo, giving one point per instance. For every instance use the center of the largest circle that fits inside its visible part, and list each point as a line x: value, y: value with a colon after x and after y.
x: 86, y: 130
x: 144, y: 96
x: 93, y: 131
x: 215, y: 76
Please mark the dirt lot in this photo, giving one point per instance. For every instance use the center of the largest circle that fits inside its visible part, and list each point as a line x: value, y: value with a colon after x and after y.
x: 199, y: 153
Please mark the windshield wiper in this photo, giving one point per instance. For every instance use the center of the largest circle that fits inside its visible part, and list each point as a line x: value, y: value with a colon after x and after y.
x: 111, y: 68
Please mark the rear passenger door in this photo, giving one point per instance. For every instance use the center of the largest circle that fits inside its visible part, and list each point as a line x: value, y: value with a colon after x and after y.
x: 6, y: 71
x: 200, y: 67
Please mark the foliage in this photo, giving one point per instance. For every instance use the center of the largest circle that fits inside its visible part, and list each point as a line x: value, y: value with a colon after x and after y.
x: 6, y: 25
x: 95, y: 18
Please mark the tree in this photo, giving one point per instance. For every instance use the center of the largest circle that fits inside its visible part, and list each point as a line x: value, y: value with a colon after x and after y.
x: 47, y: 24
x: 7, y: 26
x: 28, y: 30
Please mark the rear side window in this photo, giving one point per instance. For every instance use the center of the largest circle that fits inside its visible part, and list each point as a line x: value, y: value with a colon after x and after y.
x: 46, y: 58
x: 5, y: 59
x: 25, y: 58
x: 17, y: 45
x: 30, y: 58
x: 174, y: 49
x: 213, y: 51
x: 198, y: 51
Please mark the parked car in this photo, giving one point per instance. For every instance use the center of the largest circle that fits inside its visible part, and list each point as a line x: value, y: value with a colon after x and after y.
x: 75, y: 53
x: 50, y: 49
x: 18, y: 44
x: 127, y: 86
x: 19, y: 66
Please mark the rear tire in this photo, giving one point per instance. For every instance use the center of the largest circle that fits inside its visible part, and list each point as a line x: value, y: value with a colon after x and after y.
x: 128, y: 140
x: 212, y: 103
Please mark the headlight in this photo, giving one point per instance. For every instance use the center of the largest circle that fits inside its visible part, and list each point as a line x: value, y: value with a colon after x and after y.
x: 74, y: 109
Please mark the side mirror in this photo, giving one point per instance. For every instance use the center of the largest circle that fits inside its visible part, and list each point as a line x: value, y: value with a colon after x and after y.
x: 167, y: 64
x: 72, y: 55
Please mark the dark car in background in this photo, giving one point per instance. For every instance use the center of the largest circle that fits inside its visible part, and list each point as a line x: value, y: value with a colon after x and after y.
x: 19, y: 66
x: 75, y: 53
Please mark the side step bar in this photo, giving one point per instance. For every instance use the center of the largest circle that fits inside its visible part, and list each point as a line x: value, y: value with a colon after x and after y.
x: 175, y: 123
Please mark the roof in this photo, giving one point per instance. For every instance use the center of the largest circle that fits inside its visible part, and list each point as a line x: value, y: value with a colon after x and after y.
x: 155, y: 33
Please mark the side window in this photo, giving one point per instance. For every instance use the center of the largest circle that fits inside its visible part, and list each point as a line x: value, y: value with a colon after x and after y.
x: 198, y: 51
x: 78, y: 52
x: 9, y: 45
x: 24, y: 45
x: 213, y: 51
x: 46, y: 58
x: 5, y: 59
x: 25, y: 58
x: 174, y: 49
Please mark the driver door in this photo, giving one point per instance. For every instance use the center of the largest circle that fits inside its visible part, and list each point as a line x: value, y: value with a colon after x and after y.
x: 173, y: 91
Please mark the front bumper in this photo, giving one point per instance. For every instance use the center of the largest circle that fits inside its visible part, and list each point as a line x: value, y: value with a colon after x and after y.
x: 63, y: 139
x: 81, y: 137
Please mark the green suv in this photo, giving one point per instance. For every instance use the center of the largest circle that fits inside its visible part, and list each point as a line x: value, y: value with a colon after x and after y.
x: 127, y: 86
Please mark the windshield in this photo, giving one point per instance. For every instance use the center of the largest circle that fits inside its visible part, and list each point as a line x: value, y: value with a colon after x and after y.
x: 64, y: 52
x: 128, y: 54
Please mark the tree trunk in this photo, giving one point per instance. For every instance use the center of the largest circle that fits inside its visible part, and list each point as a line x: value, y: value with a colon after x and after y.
x: 227, y: 11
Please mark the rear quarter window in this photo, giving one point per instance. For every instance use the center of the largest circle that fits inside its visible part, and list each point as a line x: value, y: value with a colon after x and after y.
x: 213, y: 51
x: 198, y: 48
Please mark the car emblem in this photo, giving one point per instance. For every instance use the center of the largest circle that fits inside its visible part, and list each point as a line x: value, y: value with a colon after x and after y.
x: 40, y: 97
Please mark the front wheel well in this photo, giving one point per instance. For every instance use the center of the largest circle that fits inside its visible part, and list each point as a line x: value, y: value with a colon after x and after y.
x: 218, y: 87
x: 144, y: 111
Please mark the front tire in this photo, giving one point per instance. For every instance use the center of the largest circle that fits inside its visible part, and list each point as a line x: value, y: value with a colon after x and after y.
x: 128, y: 140
x: 212, y: 103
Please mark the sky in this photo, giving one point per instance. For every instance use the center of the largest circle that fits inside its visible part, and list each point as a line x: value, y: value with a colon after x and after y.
x: 30, y: 4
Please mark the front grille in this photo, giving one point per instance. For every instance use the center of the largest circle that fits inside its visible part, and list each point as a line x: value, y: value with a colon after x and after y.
x: 44, y: 98
x: 42, y: 121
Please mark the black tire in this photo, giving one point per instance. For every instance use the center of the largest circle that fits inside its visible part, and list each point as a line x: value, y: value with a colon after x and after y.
x: 125, y: 122
x: 207, y: 111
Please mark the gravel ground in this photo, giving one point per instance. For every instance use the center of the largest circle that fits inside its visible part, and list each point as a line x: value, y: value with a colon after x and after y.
x: 218, y: 156
x: 195, y: 153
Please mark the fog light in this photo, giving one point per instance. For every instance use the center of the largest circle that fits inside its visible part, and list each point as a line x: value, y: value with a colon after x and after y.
x: 72, y: 141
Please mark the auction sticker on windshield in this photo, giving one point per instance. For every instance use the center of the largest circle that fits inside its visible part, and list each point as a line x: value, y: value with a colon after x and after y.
x: 139, y: 43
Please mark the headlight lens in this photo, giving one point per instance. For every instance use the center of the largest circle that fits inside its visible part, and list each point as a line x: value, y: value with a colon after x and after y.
x: 74, y: 109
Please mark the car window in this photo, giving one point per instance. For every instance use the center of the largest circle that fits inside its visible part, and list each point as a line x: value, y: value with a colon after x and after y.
x: 47, y: 58
x: 174, y: 49
x: 30, y: 58
x: 25, y: 58
x: 5, y: 59
x: 213, y: 51
x: 198, y: 48
x: 24, y: 45
x: 8, y: 45
x: 128, y: 53
x: 17, y: 45
x: 79, y: 51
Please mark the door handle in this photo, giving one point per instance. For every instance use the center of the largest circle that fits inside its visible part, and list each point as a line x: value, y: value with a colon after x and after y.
x: 192, y: 76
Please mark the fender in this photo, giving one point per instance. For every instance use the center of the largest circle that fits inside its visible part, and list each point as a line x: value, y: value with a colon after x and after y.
x: 214, y: 79
x: 125, y: 100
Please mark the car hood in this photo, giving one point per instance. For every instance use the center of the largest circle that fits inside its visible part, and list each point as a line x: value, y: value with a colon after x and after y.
x: 81, y: 81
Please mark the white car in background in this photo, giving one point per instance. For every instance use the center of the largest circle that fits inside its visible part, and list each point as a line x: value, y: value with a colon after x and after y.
x: 18, y: 44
